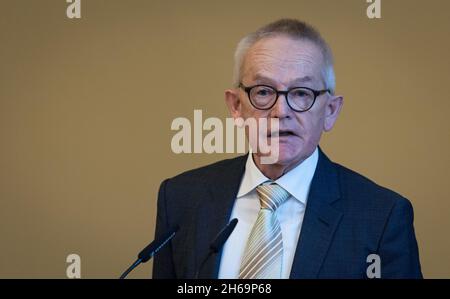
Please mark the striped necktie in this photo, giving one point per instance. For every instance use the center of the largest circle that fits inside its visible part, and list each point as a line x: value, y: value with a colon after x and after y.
x: 263, y: 255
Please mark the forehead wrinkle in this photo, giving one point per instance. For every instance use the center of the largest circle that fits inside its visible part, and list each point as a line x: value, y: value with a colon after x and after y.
x: 270, y: 69
x: 282, y: 59
x: 286, y: 50
x: 271, y: 62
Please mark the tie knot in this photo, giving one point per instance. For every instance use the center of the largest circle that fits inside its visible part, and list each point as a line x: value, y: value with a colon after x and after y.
x: 271, y: 196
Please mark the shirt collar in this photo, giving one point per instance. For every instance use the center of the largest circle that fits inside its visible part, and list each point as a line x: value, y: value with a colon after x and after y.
x: 296, y: 181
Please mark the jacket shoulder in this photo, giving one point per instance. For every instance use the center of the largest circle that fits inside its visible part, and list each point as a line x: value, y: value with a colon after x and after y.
x: 209, y: 172
x: 355, y: 186
x: 180, y: 195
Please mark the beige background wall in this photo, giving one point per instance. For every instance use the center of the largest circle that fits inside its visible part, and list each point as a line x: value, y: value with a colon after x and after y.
x: 86, y: 107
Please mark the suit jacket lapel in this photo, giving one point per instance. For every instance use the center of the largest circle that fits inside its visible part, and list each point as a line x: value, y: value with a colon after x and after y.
x: 214, y: 212
x: 320, y: 221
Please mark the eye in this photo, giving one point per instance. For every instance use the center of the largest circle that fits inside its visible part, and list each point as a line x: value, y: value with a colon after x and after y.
x: 263, y: 91
x: 300, y: 93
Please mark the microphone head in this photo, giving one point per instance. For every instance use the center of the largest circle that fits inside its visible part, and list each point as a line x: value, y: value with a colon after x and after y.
x: 223, y: 235
x: 152, y: 248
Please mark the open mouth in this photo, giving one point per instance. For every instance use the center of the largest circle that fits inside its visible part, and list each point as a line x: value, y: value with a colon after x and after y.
x: 282, y: 133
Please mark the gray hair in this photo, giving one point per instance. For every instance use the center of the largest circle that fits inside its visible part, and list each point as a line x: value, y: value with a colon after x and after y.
x: 292, y: 28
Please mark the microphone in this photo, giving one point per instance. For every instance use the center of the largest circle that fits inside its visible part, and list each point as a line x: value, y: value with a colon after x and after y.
x: 217, y: 243
x: 151, y: 249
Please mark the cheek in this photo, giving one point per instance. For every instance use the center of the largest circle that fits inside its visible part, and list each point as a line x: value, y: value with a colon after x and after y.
x: 245, y: 108
x: 247, y: 111
x: 311, y: 127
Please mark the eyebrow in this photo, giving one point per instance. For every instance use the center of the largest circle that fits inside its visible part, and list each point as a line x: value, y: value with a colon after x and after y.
x: 259, y: 77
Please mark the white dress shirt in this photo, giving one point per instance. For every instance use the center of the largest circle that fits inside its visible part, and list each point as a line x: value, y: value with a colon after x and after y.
x: 290, y: 214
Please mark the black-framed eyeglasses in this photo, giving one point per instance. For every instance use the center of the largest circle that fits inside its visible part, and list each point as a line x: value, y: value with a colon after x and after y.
x: 299, y: 99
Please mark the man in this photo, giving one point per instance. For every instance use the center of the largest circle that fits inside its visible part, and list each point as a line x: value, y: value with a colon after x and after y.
x: 302, y: 216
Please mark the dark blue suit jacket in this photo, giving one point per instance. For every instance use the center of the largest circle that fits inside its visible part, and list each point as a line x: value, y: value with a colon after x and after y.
x: 347, y: 218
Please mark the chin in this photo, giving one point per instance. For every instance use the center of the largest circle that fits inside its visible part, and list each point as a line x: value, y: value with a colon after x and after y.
x: 291, y: 151
x: 290, y: 154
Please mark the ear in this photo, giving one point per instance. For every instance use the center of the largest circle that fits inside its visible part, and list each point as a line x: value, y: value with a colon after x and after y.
x: 332, y: 111
x: 233, y: 102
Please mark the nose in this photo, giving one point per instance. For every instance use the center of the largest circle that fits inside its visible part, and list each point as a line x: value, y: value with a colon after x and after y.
x: 281, y: 108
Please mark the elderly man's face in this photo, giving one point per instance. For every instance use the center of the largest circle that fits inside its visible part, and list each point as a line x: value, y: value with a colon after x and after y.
x: 284, y: 63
